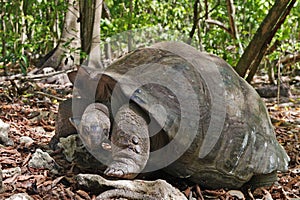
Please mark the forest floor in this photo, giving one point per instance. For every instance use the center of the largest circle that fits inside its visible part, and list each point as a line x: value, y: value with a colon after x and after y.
x: 30, y: 109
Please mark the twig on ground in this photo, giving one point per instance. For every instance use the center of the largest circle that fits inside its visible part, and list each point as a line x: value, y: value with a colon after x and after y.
x: 33, y: 77
x: 50, y: 95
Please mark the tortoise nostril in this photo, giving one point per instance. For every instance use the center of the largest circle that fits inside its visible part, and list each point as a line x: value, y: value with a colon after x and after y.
x: 135, y: 140
x: 105, y: 132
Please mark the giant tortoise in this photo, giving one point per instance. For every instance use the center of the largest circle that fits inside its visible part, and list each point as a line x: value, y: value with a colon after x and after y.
x: 171, y: 107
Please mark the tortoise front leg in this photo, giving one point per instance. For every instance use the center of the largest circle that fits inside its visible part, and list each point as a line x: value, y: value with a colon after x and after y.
x: 130, y: 143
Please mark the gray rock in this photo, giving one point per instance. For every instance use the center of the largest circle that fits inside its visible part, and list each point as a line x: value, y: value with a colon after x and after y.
x: 38, y: 129
x: 20, y: 196
x: 4, y: 139
x: 75, y: 152
x: 42, y: 160
x: 270, y: 91
x: 7, y: 173
x: 129, y: 189
x: 26, y: 141
x: 70, y: 146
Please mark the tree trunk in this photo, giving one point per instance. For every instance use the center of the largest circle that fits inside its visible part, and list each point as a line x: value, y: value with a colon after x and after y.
x: 257, y: 47
x: 3, y: 41
x: 23, y: 26
x: 68, y: 47
x: 81, y: 32
x: 195, y: 21
x: 233, y: 28
x: 90, y: 15
x: 130, y: 41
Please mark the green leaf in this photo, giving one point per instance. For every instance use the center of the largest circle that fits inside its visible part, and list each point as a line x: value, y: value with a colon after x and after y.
x: 24, y: 64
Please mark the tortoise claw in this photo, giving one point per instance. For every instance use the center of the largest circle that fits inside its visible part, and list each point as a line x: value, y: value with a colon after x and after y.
x: 117, y: 170
x: 114, y: 172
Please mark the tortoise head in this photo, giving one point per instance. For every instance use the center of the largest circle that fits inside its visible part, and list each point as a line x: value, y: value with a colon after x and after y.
x: 94, y: 126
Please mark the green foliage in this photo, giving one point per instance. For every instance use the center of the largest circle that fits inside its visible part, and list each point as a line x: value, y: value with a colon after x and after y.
x: 36, y: 26
x: 289, y: 37
x: 171, y: 15
x: 29, y: 27
x: 178, y: 15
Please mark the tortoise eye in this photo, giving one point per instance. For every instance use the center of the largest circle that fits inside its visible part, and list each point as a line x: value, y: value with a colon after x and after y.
x: 86, y: 129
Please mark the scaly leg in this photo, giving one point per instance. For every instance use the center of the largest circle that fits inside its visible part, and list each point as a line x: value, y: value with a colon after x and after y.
x: 130, y: 143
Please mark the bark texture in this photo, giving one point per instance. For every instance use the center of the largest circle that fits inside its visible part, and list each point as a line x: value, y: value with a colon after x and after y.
x: 69, y: 44
x: 90, y: 15
x: 81, y: 32
x: 256, y: 49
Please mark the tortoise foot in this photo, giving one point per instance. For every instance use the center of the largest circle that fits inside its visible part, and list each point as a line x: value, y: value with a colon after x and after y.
x: 262, y: 180
x: 127, y: 162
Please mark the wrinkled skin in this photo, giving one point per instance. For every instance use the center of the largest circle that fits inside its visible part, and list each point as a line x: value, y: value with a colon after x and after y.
x: 130, y: 143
